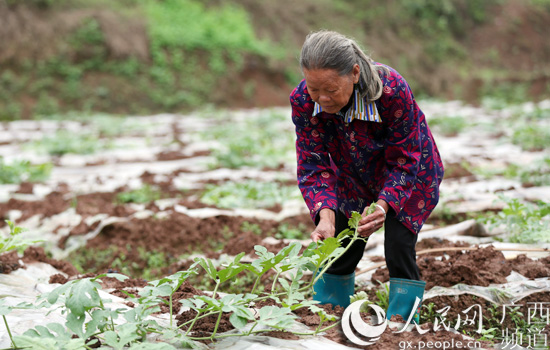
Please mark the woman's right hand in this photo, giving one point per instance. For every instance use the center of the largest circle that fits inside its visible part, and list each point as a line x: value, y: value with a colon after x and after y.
x: 326, y: 226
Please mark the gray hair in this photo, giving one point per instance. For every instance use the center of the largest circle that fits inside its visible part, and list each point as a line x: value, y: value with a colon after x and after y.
x: 331, y: 50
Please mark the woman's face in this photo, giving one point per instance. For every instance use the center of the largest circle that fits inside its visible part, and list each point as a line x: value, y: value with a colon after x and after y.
x: 330, y: 90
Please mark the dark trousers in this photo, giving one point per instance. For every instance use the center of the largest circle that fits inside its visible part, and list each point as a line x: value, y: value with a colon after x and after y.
x: 399, y: 249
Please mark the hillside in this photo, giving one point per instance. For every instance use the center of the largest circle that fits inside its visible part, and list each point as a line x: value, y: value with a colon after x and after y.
x: 143, y: 57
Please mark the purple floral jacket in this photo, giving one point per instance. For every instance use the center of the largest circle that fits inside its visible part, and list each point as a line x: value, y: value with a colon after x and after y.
x: 347, y: 165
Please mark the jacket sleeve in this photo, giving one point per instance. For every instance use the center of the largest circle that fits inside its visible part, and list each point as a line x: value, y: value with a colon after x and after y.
x: 403, y: 148
x: 316, y: 178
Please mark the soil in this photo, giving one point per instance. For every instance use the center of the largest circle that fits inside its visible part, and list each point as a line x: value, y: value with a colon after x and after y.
x: 53, y: 204
x: 33, y: 254
x: 176, y: 235
x: 431, y: 243
x: 531, y: 268
x: 475, y: 267
x: 9, y: 262
x: 183, y: 234
x: 25, y: 188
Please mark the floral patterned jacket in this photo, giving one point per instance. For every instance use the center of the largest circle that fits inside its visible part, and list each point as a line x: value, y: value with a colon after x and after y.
x: 347, y: 165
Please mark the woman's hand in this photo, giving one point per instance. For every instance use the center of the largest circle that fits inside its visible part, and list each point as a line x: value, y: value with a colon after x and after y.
x: 369, y: 224
x: 326, y: 226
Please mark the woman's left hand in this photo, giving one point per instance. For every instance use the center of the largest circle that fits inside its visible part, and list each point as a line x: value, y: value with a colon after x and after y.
x: 369, y: 224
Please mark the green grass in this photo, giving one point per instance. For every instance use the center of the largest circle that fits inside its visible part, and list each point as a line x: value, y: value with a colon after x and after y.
x: 65, y: 142
x: 190, y: 25
x: 532, y: 137
x: 194, y: 45
x: 536, y: 173
x: 147, y: 265
x: 261, y: 143
x: 23, y: 170
x: 288, y: 232
x: 249, y: 194
x: 523, y: 222
x: 144, y: 194
x: 448, y: 126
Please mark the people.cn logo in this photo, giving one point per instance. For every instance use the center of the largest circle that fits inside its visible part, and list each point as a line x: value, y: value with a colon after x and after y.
x: 352, y: 317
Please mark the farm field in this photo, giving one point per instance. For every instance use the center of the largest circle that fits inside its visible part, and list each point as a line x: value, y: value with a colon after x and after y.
x: 203, y: 215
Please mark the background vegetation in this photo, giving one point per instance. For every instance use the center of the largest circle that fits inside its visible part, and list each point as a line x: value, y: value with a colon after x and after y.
x: 139, y: 57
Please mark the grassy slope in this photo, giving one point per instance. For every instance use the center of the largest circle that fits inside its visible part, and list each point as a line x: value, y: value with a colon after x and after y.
x: 137, y: 56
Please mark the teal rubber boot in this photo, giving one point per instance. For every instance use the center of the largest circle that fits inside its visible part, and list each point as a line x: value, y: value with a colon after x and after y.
x: 402, y: 298
x: 334, y: 289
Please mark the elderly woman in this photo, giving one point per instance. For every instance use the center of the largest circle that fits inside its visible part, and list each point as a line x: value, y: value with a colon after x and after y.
x: 361, y: 138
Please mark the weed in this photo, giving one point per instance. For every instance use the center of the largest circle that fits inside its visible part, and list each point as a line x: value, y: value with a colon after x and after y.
x: 145, y: 194
x: 15, y: 240
x: 428, y: 312
x: 445, y: 215
x: 249, y: 194
x: 260, y: 143
x: 249, y: 227
x: 64, y: 142
x: 448, y: 126
x: 90, y: 260
x: 536, y: 173
x: 531, y: 137
x: 285, y: 231
x: 524, y: 222
x: 46, y: 105
x: 20, y: 171
x: 383, y: 296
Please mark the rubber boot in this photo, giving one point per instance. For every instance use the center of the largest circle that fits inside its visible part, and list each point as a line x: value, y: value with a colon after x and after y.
x: 334, y: 289
x: 403, y: 294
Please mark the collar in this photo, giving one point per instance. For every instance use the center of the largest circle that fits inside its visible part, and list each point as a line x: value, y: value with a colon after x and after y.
x: 359, y: 109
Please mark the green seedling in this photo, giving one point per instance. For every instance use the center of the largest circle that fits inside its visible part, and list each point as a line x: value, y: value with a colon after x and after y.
x: 90, y: 321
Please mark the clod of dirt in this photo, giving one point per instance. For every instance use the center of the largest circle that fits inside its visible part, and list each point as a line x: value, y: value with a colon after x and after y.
x: 25, y: 188
x: 431, y: 243
x: 97, y: 203
x: 53, y: 204
x: 531, y: 268
x: 111, y: 282
x: 474, y: 267
x: 83, y: 228
x: 244, y: 242
x: 205, y: 326
x: 58, y: 278
x: 9, y: 262
x: 37, y: 254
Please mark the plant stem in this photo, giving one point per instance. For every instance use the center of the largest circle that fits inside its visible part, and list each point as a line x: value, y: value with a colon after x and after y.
x: 171, y: 312
x: 252, y: 328
x: 215, y: 289
x: 197, y: 318
x: 192, y: 323
x: 9, y: 332
x: 255, y: 284
x: 261, y: 331
x: 217, y: 325
x: 275, y: 281
x: 318, y: 331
